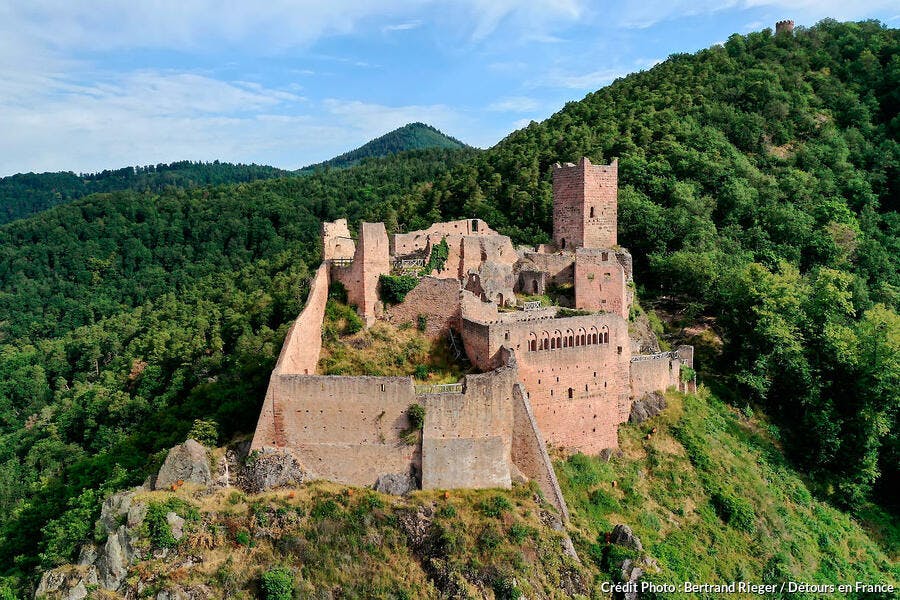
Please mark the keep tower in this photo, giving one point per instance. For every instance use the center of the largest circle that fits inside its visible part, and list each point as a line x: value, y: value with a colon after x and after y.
x: 585, y: 205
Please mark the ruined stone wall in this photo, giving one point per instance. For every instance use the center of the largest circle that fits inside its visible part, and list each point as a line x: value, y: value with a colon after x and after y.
x: 600, y: 282
x: 344, y: 429
x: 467, y: 438
x: 560, y: 268
x: 370, y: 261
x: 336, y: 241
x: 303, y: 343
x: 529, y: 453
x: 437, y: 299
x: 403, y: 244
x: 658, y: 372
x: 585, y: 211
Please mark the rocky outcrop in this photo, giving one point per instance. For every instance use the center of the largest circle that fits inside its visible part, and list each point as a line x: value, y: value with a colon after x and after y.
x: 185, y: 463
x: 623, y: 536
x: 650, y: 405
x: 106, y: 564
x: 67, y: 583
x: 271, y: 468
x: 396, y: 484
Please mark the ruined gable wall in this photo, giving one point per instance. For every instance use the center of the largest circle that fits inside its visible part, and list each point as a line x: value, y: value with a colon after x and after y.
x: 344, y: 429
x: 467, y: 438
x: 529, y: 453
x: 336, y: 241
x: 560, y: 268
x: 437, y: 299
x: 414, y: 241
x: 600, y: 282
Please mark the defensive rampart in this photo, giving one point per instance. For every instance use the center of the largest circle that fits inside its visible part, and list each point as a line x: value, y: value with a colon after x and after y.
x: 659, y: 372
x: 435, y: 300
x: 303, y: 343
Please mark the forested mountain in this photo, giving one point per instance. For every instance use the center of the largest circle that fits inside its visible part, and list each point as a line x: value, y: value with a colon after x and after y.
x: 29, y: 193
x: 758, y: 186
x: 413, y: 136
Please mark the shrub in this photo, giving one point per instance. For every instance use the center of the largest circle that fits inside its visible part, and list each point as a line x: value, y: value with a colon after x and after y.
x: 495, y: 507
x: 422, y: 322
x: 421, y: 371
x: 439, y: 254
x: 505, y: 588
x: 242, y: 537
x: 395, y: 287
x: 337, y: 291
x: 518, y: 532
x: 205, y: 431
x: 735, y: 511
x: 687, y: 373
x: 416, y: 415
x: 277, y: 584
x: 326, y: 509
x: 489, y: 539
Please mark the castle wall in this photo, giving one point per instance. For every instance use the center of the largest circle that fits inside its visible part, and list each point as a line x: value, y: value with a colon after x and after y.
x: 414, y: 241
x: 575, y: 370
x: 360, y: 277
x: 560, y: 268
x: 467, y: 438
x: 336, y: 241
x: 585, y: 208
x: 437, y: 299
x: 529, y: 453
x: 659, y: 372
x: 303, y: 343
x: 600, y: 282
x: 344, y: 429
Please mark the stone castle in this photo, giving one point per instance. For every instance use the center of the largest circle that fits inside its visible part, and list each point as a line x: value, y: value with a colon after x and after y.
x: 549, y: 375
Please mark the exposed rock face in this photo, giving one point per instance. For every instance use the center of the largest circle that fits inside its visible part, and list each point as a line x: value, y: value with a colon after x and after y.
x: 67, y: 583
x: 176, y: 524
x: 272, y: 468
x: 105, y: 564
x: 647, y: 407
x: 396, y: 484
x: 186, y: 462
x: 623, y: 536
x: 631, y: 572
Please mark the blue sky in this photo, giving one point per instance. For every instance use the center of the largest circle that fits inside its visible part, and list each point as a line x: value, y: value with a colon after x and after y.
x: 102, y: 84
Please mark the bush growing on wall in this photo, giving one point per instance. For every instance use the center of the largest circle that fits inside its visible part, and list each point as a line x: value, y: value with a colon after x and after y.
x: 395, y: 287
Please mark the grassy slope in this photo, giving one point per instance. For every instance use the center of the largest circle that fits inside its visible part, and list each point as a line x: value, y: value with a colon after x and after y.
x: 712, y: 499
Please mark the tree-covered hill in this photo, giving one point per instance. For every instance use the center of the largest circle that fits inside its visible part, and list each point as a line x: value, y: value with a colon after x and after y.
x: 758, y: 185
x: 29, y: 193
x: 413, y: 136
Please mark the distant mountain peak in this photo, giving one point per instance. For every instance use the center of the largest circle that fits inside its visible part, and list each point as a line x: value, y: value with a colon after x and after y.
x: 412, y: 136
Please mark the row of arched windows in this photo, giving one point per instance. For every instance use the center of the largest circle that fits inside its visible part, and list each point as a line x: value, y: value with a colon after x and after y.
x: 567, y: 339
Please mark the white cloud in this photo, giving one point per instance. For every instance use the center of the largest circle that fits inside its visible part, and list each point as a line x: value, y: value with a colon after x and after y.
x: 515, y: 104
x: 402, y: 26
x: 582, y: 81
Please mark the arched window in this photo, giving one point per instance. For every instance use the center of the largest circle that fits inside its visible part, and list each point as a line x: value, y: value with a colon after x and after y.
x: 534, y: 286
x: 564, y: 243
x: 571, y: 392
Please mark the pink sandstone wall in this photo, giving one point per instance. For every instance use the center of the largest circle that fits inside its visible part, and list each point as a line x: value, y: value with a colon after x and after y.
x: 467, y: 438
x: 585, y: 211
x: 437, y: 299
x: 560, y: 268
x: 303, y: 343
x: 575, y: 369
x: 344, y: 429
x: 600, y: 282
x: 370, y: 261
x: 659, y: 372
x: 336, y: 241
x: 529, y: 453
x: 410, y: 243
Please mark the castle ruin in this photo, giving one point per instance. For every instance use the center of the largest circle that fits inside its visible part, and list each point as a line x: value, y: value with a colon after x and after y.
x: 548, y: 374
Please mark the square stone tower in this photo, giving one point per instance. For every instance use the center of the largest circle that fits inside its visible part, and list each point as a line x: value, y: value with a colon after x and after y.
x: 585, y: 205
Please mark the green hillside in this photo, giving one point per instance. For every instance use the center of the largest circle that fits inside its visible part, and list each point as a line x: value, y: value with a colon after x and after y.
x: 757, y: 195
x: 413, y: 136
x: 29, y: 193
